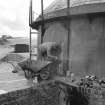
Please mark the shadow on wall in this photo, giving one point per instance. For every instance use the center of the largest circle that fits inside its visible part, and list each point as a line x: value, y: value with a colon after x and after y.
x: 76, y: 98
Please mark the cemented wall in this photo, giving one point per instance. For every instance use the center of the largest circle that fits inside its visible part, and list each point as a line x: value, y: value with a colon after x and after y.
x: 87, y: 45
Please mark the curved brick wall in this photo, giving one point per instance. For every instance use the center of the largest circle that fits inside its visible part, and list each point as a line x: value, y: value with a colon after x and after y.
x: 87, y: 44
x: 30, y: 96
x: 61, y: 4
x: 50, y: 96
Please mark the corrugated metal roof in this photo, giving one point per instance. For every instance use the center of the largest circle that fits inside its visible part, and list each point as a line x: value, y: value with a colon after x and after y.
x: 61, y: 4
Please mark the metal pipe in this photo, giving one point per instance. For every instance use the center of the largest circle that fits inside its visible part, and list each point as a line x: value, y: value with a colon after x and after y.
x: 30, y: 22
x: 30, y: 49
x: 68, y: 34
x: 42, y: 25
x: 30, y: 13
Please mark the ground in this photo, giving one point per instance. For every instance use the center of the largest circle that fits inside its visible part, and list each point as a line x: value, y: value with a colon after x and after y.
x: 11, y: 81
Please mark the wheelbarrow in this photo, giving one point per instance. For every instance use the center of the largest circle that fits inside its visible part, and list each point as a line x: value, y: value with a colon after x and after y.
x: 42, y: 69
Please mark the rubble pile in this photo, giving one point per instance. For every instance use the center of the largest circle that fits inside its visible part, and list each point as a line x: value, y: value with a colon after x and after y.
x: 92, y: 81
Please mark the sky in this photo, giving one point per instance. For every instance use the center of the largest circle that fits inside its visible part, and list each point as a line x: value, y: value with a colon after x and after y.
x: 14, y: 16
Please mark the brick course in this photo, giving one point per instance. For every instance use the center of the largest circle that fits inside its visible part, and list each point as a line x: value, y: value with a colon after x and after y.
x: 50, y: 96
x: 29, y: 96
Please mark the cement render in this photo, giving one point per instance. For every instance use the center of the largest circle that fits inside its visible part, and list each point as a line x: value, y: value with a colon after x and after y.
x: 87, y: 45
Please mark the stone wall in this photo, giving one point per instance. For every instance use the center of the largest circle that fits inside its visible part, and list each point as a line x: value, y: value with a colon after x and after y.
x: 94, y: 96
x: 50, y: 96
x: 30, y: 96
x: 86, y: 96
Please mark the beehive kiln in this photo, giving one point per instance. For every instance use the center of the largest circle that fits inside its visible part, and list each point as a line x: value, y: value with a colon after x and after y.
x: 87, y: 33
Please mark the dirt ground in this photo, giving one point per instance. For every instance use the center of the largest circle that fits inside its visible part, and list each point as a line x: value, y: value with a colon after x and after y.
x: 11, y: 81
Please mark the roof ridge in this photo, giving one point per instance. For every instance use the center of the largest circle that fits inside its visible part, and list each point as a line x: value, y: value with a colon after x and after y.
x: 53, y: 3
x: 61, y: 4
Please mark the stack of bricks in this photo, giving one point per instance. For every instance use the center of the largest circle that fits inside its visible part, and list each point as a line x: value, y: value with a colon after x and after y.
x: 97, y: 97
x: 93, y: 96
x: 77, y: 95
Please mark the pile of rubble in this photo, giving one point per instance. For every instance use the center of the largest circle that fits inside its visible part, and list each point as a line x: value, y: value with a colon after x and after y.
x: 92, y: 81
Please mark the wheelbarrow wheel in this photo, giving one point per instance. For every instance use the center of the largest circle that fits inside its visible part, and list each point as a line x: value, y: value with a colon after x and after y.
x: 28, y: 74
x: 44, y: 75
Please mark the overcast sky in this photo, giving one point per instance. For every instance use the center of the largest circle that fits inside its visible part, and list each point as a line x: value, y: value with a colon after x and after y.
x: 14, y: 16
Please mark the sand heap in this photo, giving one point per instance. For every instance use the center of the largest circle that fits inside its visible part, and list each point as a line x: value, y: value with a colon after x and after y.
x: 12, y: 58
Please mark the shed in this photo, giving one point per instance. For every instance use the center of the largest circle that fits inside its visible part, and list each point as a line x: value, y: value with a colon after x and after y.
x: 21, y: 48
x: 87, y: 34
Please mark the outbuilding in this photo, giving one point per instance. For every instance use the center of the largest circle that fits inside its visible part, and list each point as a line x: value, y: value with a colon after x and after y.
x: 21, y: 48
x: 87, y: 34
